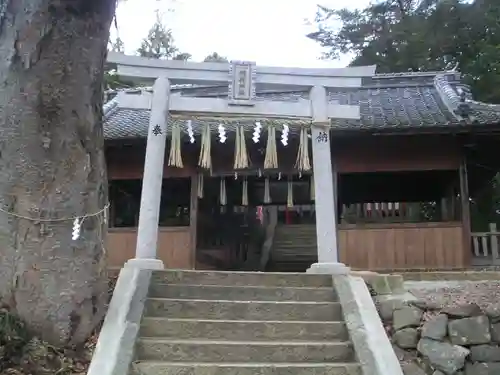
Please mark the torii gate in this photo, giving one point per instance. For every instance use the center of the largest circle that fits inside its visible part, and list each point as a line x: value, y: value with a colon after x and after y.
x: 242, y: 78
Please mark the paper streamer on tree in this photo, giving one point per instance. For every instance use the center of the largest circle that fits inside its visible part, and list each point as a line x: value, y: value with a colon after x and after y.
x: 271, y: 159
x: 205, y: 160
x: 267, y: 192
x: 175, y: 157
x: 222, y: 194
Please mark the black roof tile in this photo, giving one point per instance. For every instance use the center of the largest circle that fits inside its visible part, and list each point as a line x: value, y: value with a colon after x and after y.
x: 387, y: 102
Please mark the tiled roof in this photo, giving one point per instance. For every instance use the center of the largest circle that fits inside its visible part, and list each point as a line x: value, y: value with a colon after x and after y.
x: 387, y: 102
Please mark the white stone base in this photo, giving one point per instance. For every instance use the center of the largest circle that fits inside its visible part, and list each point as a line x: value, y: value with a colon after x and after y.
x: 329, y: 269
x: 146, y: 264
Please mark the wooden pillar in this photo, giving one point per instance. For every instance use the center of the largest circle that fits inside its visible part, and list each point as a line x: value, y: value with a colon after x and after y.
x: 495, y: 258
x: 465, y: 211
x: 147, y: 233
x: 324, y: 188
x: 193, y: 219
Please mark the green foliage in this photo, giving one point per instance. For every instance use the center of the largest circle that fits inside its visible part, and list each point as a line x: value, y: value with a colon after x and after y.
x: 184, y: 56
x: 418, y: 35
x: 113, y: 81
x: 215, y: 57
x: 13, y: 338
x: 116, y: 45
x: 159, y: 44
x: 21, y: 353
x: 486, y: 206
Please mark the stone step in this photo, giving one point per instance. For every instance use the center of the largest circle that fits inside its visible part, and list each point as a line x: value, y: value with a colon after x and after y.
x: 299, y: 251
x: 292, y: 242
x: 239, y: 330
x: 241, y: 278
x: 245, y: 293
x: 294, y: 256
x: 243, y: 310
x: 292, y: 234
x: 309, y: 231
x: 289, y: 266
x: 297, y: 227
x: 308, y: 247
x: 242, y: 351
x: 307, y: 243
x: 295, y: 241
x: 296, y: 230
x: 172, y: 368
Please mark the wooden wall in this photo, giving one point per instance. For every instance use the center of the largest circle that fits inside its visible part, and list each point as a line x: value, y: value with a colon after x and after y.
x: 127, y: 162
x: 402, y: 246
x: 439, y: 245
x: 174, y: 246
x: 392, y: 153
x: 353, y: 154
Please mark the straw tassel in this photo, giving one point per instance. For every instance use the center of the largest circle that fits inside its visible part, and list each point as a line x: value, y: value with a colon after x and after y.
x: 175, y: 157
x: 289, y: 198
x: 241, y: 160
x: 205, y: 160
x: 267, y: 191
x: 302, y: 163
x: 271, y: 159
x: 223, y: 196
x: 244, y: 195
x: 200, y: 185
x: 311, y: 188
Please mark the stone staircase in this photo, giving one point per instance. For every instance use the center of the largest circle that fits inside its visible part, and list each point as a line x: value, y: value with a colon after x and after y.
x: 207, y: 323
x: 294, y: 248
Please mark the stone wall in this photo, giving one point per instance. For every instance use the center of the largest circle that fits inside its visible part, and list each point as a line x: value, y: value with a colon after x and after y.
x: 455, y: 340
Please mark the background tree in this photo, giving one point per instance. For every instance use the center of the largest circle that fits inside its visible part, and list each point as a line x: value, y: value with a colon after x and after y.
x: 415, y: 35
x: 117, y: 45
x: 215, y: 57
x: 52, y: 164
x: 159, y: 44
x: 112, y: 81
x: 184, y: 56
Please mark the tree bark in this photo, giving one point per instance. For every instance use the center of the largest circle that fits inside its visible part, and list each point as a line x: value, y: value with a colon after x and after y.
x: 52, y: 166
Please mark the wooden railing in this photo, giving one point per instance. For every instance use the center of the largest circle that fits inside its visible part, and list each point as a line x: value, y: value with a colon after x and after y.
x: 485, y: 247
x: 399, y: 212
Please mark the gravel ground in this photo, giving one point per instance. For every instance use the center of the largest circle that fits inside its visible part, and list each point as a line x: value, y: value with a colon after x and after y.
x: 450, y: 293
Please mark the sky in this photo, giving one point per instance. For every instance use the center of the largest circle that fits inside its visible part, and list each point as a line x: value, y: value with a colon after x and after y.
x: 269, y: 32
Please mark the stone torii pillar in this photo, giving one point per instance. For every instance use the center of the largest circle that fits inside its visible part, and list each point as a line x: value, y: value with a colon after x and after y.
x: 324, y: 188
x: 147, y: 233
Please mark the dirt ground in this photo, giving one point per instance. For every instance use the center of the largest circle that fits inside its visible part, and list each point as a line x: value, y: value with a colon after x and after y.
x: 446, y: 293
x: 22, y: 354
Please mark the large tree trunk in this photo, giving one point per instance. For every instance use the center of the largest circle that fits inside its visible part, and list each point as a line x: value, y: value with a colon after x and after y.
x: 52, y: 163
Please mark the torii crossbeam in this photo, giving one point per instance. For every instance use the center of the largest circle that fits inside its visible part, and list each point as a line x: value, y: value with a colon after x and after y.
x: 244, y: 79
